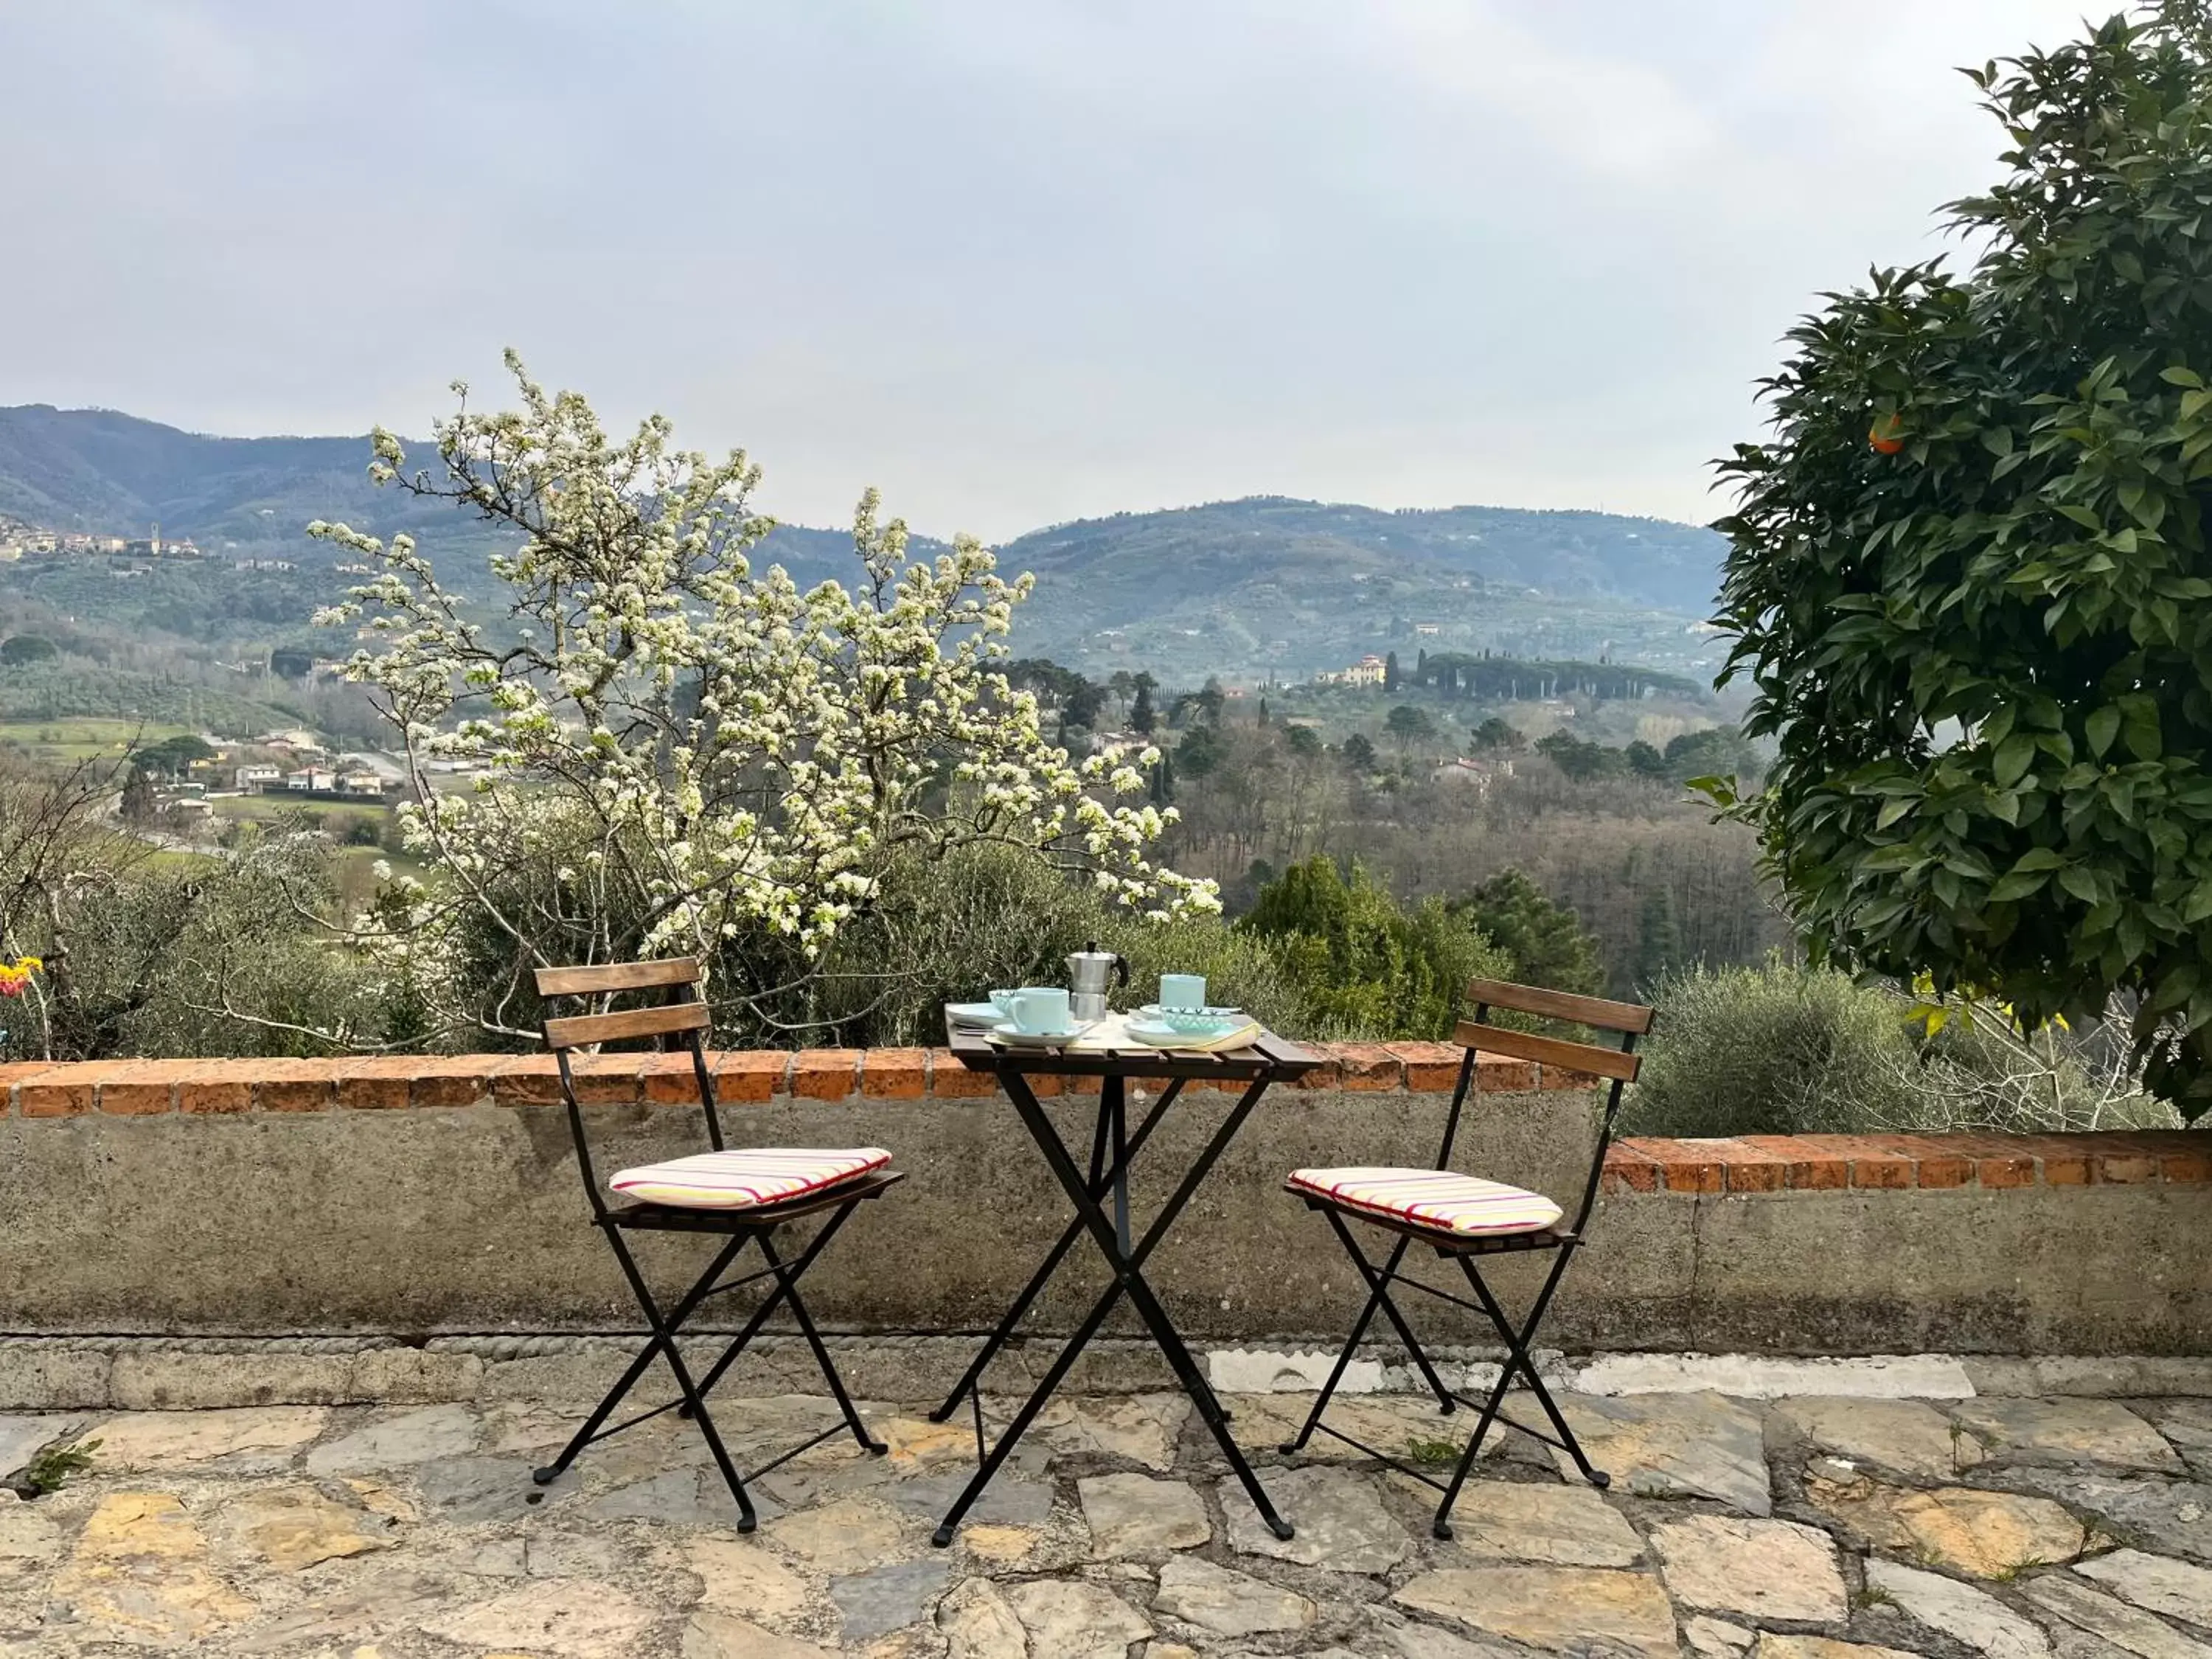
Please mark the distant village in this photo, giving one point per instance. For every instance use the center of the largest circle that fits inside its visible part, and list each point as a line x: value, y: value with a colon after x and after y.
x: 125, y: 554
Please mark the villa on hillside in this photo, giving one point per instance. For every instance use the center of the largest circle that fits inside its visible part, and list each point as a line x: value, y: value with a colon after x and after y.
x: 1368, y: 671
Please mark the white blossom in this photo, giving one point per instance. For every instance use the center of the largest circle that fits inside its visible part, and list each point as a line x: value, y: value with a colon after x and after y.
x: 744, y: 753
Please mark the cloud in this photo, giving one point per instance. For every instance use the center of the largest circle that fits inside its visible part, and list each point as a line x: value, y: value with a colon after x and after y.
x: 1016, y: 260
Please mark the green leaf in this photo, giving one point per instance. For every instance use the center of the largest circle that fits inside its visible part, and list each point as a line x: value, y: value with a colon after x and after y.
x: 2180, y: 376
x: 2013, y: 756
x: 2039, y: 858
x: 1892, y: 810
x: 2079, y: 882
x: 2142, y: 732
x: 2198, y: 905
x: 2102, y: 726
x: 2017, y: 886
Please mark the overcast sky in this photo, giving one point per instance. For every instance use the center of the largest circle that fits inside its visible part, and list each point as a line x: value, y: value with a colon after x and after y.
x: 1015, y: 261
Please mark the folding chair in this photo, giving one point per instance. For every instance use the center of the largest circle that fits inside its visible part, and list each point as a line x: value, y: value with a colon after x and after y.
x: 1462, y: 1217
x: 744, y: 1195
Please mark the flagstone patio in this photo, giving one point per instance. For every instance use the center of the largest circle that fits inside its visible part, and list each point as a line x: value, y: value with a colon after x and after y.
x: 2053, y: 1529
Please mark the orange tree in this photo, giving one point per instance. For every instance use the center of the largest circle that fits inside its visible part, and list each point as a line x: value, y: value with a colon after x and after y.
x: 1967, y: 576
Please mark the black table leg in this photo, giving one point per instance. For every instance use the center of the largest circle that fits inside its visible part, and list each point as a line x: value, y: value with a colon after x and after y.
x: 1003, y: 1332
x: 1110, y: 1105
x: 1128, y: 1277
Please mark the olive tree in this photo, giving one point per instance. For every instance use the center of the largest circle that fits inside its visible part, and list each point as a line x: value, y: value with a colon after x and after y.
x: 1967, y: 574
x: 677, y: 749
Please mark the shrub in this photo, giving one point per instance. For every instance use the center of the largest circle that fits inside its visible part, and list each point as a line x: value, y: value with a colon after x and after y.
x: 1774, y: 1049
x: 1779, y: 1050
x: 1364, y: 965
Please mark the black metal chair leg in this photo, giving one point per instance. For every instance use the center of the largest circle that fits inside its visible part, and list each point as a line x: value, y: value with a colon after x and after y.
x: 787, y: 1281
x: 1381, y: 1285
x: 548, y: 1473
x: 775, y: 1297
x: 1518, y: 1362
x: 1517, y: 1344
x: 746, y: 1519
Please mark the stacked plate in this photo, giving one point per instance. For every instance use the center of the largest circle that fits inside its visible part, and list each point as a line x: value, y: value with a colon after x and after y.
x: 1186, y: 1028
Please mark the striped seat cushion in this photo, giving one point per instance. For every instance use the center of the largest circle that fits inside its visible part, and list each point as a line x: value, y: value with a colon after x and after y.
x: 747, y: 1177
x: 1431, y: 1198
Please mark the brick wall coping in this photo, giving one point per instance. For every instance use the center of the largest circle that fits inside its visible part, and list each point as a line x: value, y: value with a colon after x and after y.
x: 139, y: 1088
x: 1772, y: 1163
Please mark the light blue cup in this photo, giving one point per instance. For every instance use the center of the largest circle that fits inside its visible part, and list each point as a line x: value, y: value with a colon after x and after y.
x: 1182, y: 990
x: 1039, y: 1010
x: 1004, y: 1002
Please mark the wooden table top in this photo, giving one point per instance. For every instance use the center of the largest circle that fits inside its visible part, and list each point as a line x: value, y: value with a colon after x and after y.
x: 1266, y: 1056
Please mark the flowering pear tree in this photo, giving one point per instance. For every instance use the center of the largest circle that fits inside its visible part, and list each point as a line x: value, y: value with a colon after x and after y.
x: 689, y: 750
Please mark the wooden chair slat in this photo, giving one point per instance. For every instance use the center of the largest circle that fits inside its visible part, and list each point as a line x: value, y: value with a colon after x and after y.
x: 618, y: 977
x: 1561, y: 1005
x: 1548, y: 1051
x: 576, y: 1032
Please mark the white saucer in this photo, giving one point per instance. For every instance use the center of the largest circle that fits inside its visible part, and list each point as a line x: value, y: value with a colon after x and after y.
x: 1012, y: 1038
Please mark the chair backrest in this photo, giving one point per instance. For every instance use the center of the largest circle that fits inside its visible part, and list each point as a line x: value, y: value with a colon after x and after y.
x: 679, y: 1020
x: 1620, y: 1064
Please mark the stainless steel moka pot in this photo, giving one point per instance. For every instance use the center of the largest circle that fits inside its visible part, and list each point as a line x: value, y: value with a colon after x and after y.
x: 1091, y: 973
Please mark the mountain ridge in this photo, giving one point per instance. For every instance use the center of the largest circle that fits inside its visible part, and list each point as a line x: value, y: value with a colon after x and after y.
x: 1255, y: 586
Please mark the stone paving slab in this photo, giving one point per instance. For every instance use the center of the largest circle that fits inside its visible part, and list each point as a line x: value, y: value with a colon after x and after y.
x: 1806, y: 1527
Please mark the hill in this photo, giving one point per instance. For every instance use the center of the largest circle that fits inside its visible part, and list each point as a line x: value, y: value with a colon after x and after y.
x: 1247, y: 589
x: 1288, y: 588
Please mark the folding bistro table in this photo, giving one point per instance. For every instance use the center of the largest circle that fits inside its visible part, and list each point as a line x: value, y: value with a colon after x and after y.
x: 1266, y: 1058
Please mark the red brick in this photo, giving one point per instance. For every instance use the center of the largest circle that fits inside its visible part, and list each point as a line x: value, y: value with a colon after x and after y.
x: 13, y: 1072
x: 1558, y: 1077
x: 451, y: 1080
x: 1807, y: 1167
x: 218, y: 1087
x: 377, y: 1082
x: 294, y: 1085
x: 1685, y: 1166
x: 668, y: 1080
x: 895, y: 1074
x: 1999, y: 1160
x: 62, y: 1091
x: 751, y: 1074
x: 825, y: 1073
x: 2184, y: 1156
x: 1367, y: 1066
x: 146, y: 1089
x: 1629, y: 1171
x: 69, y: 1090
x: 1430, y: 1068
x: 2061, y: 1160
x: 1938, y: 1160
x: 1874, y: 1162
x: 1753, y: 1169
x: 2127, y: 1169
x: 1045, y: 1087
x: 950, y: 1080
x: 1495, y: 1074
x: 526, y: 1080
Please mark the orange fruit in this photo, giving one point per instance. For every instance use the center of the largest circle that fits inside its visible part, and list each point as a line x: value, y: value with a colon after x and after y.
x: 1886, y: 435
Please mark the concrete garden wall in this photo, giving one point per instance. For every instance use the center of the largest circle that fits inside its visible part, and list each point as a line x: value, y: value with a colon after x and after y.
x: 422, y: 1197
